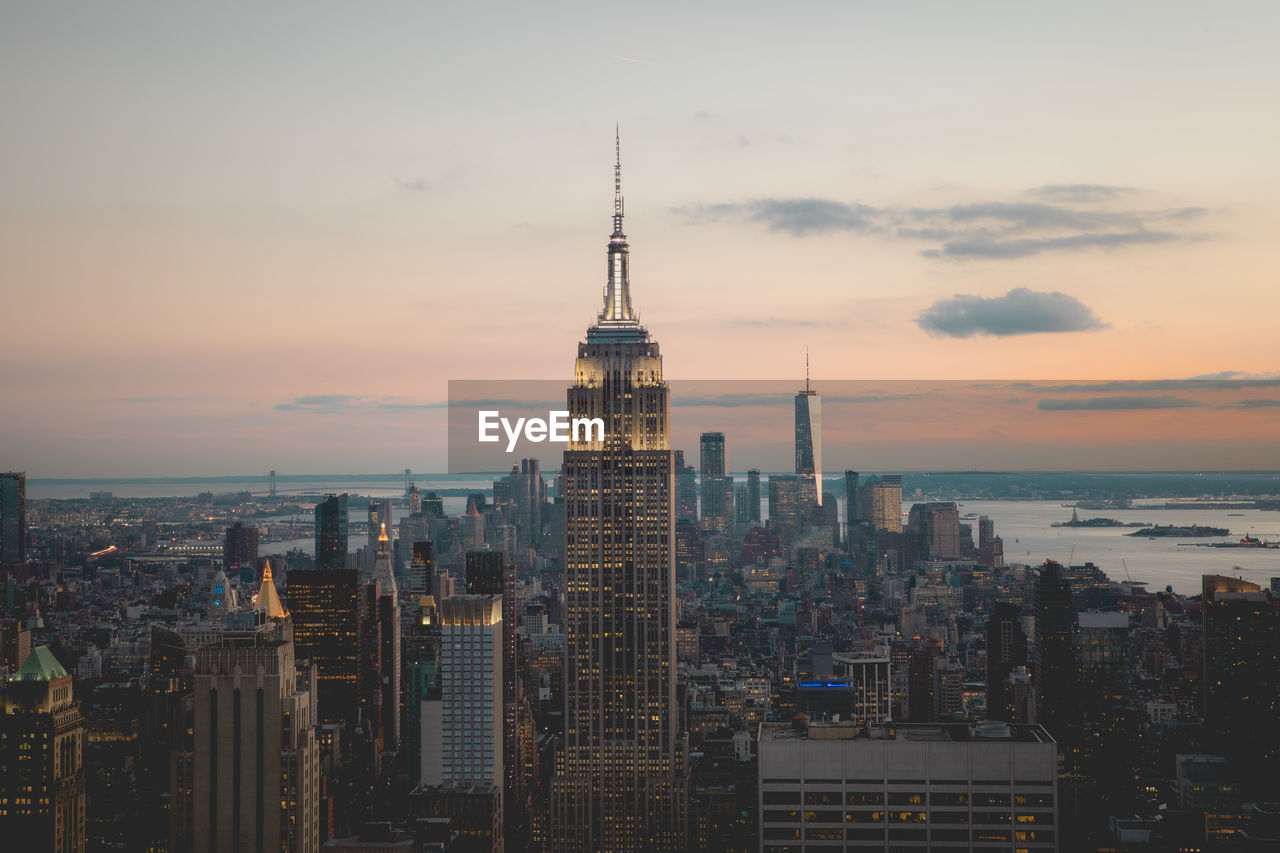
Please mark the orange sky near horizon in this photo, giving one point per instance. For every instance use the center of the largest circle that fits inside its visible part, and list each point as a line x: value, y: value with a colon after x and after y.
x: 208, y: 214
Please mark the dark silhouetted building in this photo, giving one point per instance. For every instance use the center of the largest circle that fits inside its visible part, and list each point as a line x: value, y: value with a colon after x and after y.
x: 331, y: 532
x: 753, y: 495
x: 326, y: 608
x: 933, y: 529
x: 686, y: 489
x: 240, y: 546
x: 13, y: 518
x: 1242, y: 675
x: 1053, y: 657
x: 1006, y: 651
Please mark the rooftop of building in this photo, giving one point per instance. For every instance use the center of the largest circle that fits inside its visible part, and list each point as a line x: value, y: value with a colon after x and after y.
x: 991, y: 732
x: 1103, y: 620
x: 479, y: 789
x: 40, y: 665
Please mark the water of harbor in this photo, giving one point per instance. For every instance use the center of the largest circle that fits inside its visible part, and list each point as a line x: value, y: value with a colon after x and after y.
x: 1026, y: 526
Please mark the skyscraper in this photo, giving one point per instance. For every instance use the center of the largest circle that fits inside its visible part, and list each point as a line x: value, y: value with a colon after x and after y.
x: 1108, y: 724
x: 13, y: 518
x: 379, y: 517
x: 851, y: 516
x: 489, y: 573
x: 809, y: 436
x: 256, y: 782
x: 742, y: 512
x: 1053, y: 655
x: 711, y: 458
x: 753, y: 494
x: 935, y: 531
x: 326, y: 609
x: 717, y: 486
x: 1241, y: 635
x: 471, y: 659
x: 1006, y: 651
x: 880, y: 502
x: 990, y: 546
x: 619, y: 782
x: 788, y: 505
x: 239, y: 545
x: 686, y: 489
x: 388, y: 615
x: 421, y: 569
x: 331, y: 532
x: 42, y: 784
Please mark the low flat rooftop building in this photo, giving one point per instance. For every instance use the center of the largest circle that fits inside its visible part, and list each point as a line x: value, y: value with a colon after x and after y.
x: 842, y: 786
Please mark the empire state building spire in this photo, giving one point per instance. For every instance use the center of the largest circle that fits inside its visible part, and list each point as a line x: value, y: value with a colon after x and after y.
x: 617, y: 320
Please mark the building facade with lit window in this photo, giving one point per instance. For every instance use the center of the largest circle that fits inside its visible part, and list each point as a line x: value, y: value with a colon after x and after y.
x: 42, y: 784
x: 327, y: 618
x: 842, y: 786
x: 255, y: 768
x: 471, y: 673
x: 619, y: 781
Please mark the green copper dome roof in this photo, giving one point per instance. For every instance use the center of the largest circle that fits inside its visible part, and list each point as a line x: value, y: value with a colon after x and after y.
x: 40, y: 665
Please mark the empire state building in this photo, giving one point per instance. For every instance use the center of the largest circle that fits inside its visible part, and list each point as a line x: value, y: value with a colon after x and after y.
x: 619, y: 783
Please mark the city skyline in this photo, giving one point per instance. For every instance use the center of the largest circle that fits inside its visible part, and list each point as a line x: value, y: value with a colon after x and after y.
x: 189, y: 256
x: 999, y: 575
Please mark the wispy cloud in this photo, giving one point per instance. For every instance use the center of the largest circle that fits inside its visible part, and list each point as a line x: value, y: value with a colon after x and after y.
x: 1079, y: 192
x: 1253, y: 403
x: 1238, y: 374
x: 1001, y: 249
x: 1140, y: 385
x: 330, y: 403
x: 631, y: 59
x: 1018, y: 312
x: 1072, y: 218
x: 1167, y: 401
x: 417, y: 185
x: 798, y: 216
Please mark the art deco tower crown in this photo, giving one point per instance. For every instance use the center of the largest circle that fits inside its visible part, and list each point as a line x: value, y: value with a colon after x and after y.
x: 617, y: 320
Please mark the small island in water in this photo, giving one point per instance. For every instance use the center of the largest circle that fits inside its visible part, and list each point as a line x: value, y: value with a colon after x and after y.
x: 1195, y: 530
x: 1077, y: 521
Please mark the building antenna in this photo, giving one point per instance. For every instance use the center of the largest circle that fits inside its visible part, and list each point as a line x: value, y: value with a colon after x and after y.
x: 806, y: 368
x: 617, y: 177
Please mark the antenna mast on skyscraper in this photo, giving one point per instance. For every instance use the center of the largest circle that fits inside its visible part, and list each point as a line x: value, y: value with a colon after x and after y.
x: 806, y: 369
x: 617, y: 179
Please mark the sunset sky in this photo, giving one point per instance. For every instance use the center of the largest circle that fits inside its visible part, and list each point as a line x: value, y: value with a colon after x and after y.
x: 239, y: 236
